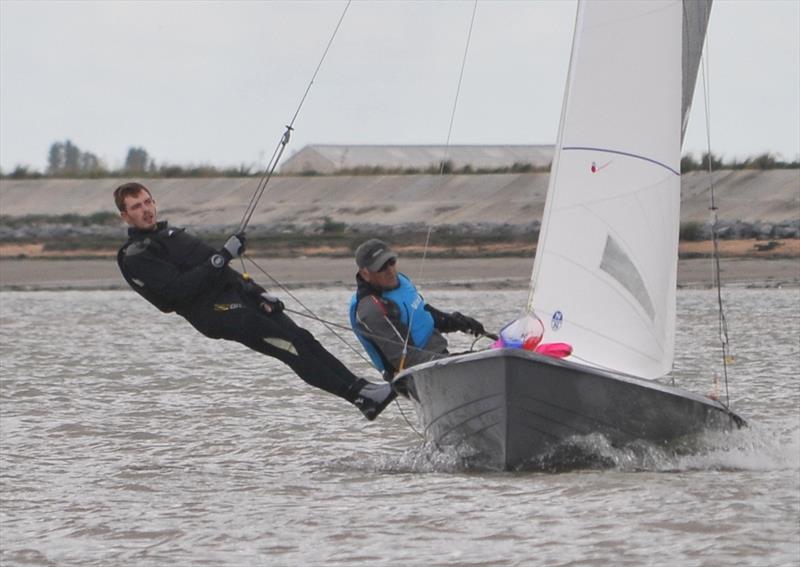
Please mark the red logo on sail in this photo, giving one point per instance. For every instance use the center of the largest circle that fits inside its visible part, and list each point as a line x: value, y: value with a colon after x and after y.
x: 595, y: 168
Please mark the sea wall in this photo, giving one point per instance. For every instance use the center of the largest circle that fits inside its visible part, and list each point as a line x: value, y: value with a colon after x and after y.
x: 750, y: 204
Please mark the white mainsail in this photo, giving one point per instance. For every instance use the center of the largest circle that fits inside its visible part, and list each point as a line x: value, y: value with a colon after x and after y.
x: 604, y: 278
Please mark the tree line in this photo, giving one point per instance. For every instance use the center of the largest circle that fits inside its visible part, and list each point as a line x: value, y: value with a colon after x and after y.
x: 766, y: 160
x: 66, y: 160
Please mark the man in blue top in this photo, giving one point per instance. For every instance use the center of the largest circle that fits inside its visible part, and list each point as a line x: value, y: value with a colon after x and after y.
x: 386, y: 304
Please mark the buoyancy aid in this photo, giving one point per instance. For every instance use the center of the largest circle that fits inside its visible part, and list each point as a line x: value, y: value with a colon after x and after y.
x: 407, y: 300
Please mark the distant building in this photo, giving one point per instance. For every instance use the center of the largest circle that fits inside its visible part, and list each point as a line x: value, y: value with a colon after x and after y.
x: 334, y: 158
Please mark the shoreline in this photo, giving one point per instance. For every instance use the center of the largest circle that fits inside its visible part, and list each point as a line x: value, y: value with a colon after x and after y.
x: 27, y: 274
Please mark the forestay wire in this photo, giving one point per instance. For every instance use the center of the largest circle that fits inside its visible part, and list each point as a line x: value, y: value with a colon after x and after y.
x: 450, y: 129
x: 441, y: 170
x: 285, y: 137
x: 330, y: 326
x: 267, y: 175
x: 722, y: 322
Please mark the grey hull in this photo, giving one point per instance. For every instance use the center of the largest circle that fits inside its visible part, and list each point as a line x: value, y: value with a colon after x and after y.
x: 512, y: 406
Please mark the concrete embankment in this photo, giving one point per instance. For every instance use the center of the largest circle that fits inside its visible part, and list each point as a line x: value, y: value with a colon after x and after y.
x: 758, y: 202
x: 763, y: 204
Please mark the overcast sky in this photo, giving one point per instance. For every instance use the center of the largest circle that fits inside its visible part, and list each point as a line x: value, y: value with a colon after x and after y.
x: 215, y: 83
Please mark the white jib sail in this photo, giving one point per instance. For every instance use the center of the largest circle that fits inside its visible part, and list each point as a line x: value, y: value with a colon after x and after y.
x: 604, y: 277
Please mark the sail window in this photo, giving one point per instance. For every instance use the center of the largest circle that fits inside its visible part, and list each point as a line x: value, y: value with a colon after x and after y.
x: 617, y: 264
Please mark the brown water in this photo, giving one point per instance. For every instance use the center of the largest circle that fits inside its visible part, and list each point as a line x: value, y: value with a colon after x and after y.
x: 128, y: 439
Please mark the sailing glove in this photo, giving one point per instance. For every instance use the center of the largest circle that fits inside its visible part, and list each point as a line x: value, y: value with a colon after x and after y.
x: 467, y: 324
x: 271, y: 304
x: 233, y: 247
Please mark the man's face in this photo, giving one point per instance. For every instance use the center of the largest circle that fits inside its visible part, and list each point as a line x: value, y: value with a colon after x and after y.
x: 140, y: 211
x: 385, y: 278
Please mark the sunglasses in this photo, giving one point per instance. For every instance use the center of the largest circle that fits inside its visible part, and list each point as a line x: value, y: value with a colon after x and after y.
x: 390, y: 262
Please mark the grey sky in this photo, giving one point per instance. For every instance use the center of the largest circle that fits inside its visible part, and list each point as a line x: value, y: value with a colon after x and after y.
x: 215, y: 83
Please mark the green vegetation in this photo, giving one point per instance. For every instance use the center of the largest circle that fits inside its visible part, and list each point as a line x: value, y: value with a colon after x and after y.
x: 58, y: 234
x: 691, y: 232
x: 329, y: 238
x: 81, y: 243
x: 329, y: 226
x: 446, y: 168
x: 67, y: 160
x: 344, y: 244
x: 102, y: 218
x: 760, y: 162
x: 368, y: 209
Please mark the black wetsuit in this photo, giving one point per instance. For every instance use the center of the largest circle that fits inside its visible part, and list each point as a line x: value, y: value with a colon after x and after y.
x: 173, y: 271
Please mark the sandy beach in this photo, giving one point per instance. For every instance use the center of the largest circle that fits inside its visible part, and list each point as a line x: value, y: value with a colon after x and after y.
x: 102, y: 273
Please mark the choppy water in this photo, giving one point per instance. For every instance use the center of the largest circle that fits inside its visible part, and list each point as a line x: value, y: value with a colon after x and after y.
x: 128, y: 439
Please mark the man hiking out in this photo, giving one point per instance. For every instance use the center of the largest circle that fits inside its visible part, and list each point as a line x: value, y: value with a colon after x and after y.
x: 179, y: 273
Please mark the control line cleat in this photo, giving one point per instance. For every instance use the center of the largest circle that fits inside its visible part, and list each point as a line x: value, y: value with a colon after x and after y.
x: 372, y: 399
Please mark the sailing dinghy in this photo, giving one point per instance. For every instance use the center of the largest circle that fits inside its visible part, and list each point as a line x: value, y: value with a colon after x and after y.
x: 605, y: 272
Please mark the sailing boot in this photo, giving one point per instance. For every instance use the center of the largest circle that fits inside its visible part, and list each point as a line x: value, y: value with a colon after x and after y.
x: 373, y: 398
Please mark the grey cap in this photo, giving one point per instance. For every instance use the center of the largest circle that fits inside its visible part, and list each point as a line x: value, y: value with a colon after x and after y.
x: 373, y: 254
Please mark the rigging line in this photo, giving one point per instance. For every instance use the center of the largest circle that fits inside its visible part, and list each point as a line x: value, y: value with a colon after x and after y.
x: 450, y: 126
x: 319, y: 319
x: 330, y: 325
x: 273, y: 163
x: 405, y: 418
x: 442, y: 166
x: 264, y: 180
x: 722, y: 321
